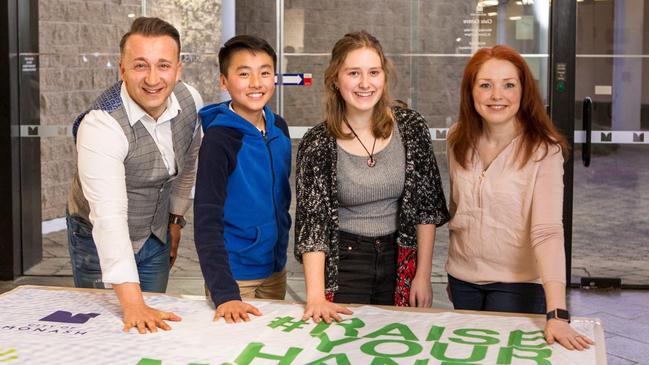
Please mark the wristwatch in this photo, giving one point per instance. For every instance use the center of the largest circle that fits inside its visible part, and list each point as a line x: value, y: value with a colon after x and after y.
x: 177, y: 219
x: 560, y: 314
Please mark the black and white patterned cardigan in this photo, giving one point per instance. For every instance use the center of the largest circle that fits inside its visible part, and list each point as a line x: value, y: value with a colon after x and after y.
x: 316, y: 218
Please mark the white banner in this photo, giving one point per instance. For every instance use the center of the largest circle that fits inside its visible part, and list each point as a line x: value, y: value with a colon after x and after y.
x: 58, y: 326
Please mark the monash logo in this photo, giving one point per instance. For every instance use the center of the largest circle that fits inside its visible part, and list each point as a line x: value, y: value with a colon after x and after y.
x: 67, y: 317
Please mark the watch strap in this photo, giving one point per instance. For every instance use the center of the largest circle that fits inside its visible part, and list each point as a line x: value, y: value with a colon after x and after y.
x: 177, y: 219
x: 560, y: 314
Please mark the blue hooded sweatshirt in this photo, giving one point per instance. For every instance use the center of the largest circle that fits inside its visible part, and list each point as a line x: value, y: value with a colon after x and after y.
x: 242, y: 200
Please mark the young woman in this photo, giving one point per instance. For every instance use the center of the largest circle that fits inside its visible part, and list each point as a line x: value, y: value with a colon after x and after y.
x: 369, y: 194
x: 506, y: 165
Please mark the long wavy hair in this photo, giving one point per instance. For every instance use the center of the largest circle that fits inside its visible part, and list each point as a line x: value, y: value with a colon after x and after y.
x: 538, y: 131
x: 382, y: 118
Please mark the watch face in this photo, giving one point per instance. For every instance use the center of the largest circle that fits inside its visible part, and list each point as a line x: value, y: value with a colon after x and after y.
x: 563, y: 314
x: 179, y: 220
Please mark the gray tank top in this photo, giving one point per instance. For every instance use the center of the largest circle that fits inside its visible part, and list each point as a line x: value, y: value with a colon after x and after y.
x: 369, y: 196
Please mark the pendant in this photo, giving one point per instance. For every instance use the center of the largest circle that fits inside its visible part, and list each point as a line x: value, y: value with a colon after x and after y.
x: 371, y: 162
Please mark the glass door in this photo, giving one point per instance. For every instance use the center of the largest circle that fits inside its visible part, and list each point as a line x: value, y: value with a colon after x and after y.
x: 429, y: 43
x: 611, y: 213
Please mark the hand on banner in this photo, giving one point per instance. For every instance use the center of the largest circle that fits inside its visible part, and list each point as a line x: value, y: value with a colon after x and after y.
x: 324, y: 309
x: 234, y: 311
x: 568, y: 337
x: 144, y: 318
x: 421, y: 292
x: 138, y: 315
x: 174, y: 241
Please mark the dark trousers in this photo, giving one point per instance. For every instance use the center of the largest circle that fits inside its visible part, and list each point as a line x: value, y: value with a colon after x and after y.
x: 497, y: 297
x: 367, y: 269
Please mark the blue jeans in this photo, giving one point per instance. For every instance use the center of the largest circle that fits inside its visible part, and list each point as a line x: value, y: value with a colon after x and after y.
x: 152, y: 259
x: 497, y: 297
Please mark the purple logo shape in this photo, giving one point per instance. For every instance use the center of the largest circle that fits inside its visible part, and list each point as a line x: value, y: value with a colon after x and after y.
x: 67, y: 317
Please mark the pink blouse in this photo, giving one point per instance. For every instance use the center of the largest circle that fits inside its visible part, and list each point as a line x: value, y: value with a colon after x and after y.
x: 506, y: 223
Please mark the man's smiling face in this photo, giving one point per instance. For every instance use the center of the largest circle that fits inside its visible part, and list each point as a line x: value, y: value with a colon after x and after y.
x: 150, y: 68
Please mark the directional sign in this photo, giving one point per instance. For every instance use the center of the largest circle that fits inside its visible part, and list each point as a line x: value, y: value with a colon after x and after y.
x: 296, y: 79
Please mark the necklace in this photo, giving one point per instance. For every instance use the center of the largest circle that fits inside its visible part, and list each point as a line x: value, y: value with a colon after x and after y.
x: 371, y: 162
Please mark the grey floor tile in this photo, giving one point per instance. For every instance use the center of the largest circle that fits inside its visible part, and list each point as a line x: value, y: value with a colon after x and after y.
x: 51, y: 266
x: 627, y: 312
x: 614, y: 360
x: 65, y: 271
x: 186, y: 286
x: 628, y: 350
x: 632, y: 329
x: 621, y: 303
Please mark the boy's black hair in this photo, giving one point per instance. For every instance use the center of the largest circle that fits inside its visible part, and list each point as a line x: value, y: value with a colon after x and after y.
x: 244, y: 42
x: 151, y: 27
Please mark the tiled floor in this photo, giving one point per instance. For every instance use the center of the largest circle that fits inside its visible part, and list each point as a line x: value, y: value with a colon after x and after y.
x: 625, y: 318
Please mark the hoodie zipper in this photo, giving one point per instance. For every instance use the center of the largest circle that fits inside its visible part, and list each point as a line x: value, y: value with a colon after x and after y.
x: 264, y: 134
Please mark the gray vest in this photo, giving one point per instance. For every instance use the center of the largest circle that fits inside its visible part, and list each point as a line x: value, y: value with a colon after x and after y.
x: 148, y: 183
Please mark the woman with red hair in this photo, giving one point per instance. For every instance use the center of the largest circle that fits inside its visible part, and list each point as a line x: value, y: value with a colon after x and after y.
x: 506, y: 248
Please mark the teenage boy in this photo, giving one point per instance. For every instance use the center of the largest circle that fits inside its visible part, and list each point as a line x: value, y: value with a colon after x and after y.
x: 242, y: 185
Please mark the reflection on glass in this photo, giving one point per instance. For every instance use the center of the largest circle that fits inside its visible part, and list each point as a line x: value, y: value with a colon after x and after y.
x: 429, y: 42
x: 609, y: 219
x: 611, y: 62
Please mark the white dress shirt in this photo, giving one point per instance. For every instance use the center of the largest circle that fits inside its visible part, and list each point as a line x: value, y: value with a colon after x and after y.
x: 101, y: 149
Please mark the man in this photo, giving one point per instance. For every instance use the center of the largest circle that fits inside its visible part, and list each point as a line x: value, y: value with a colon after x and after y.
x: 137, y: 149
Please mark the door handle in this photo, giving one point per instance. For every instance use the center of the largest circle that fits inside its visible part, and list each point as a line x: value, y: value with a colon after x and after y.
x: 587, y: 126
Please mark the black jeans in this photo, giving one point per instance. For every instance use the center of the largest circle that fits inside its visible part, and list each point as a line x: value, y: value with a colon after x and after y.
x: 497, y: 297
x: 367, y: 269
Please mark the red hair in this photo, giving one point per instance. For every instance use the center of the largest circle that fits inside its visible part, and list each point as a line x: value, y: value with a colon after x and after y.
x: 536, y: 126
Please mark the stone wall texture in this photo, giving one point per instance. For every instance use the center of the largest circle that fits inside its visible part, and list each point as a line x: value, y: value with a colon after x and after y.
x: 79, y: 57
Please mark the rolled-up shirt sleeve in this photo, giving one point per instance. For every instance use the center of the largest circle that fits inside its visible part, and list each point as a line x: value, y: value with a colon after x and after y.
x: 101, y: 150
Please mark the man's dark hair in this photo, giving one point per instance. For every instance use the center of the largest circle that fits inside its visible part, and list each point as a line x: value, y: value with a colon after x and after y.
x: 151, y: 27
x: 244, y: 42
